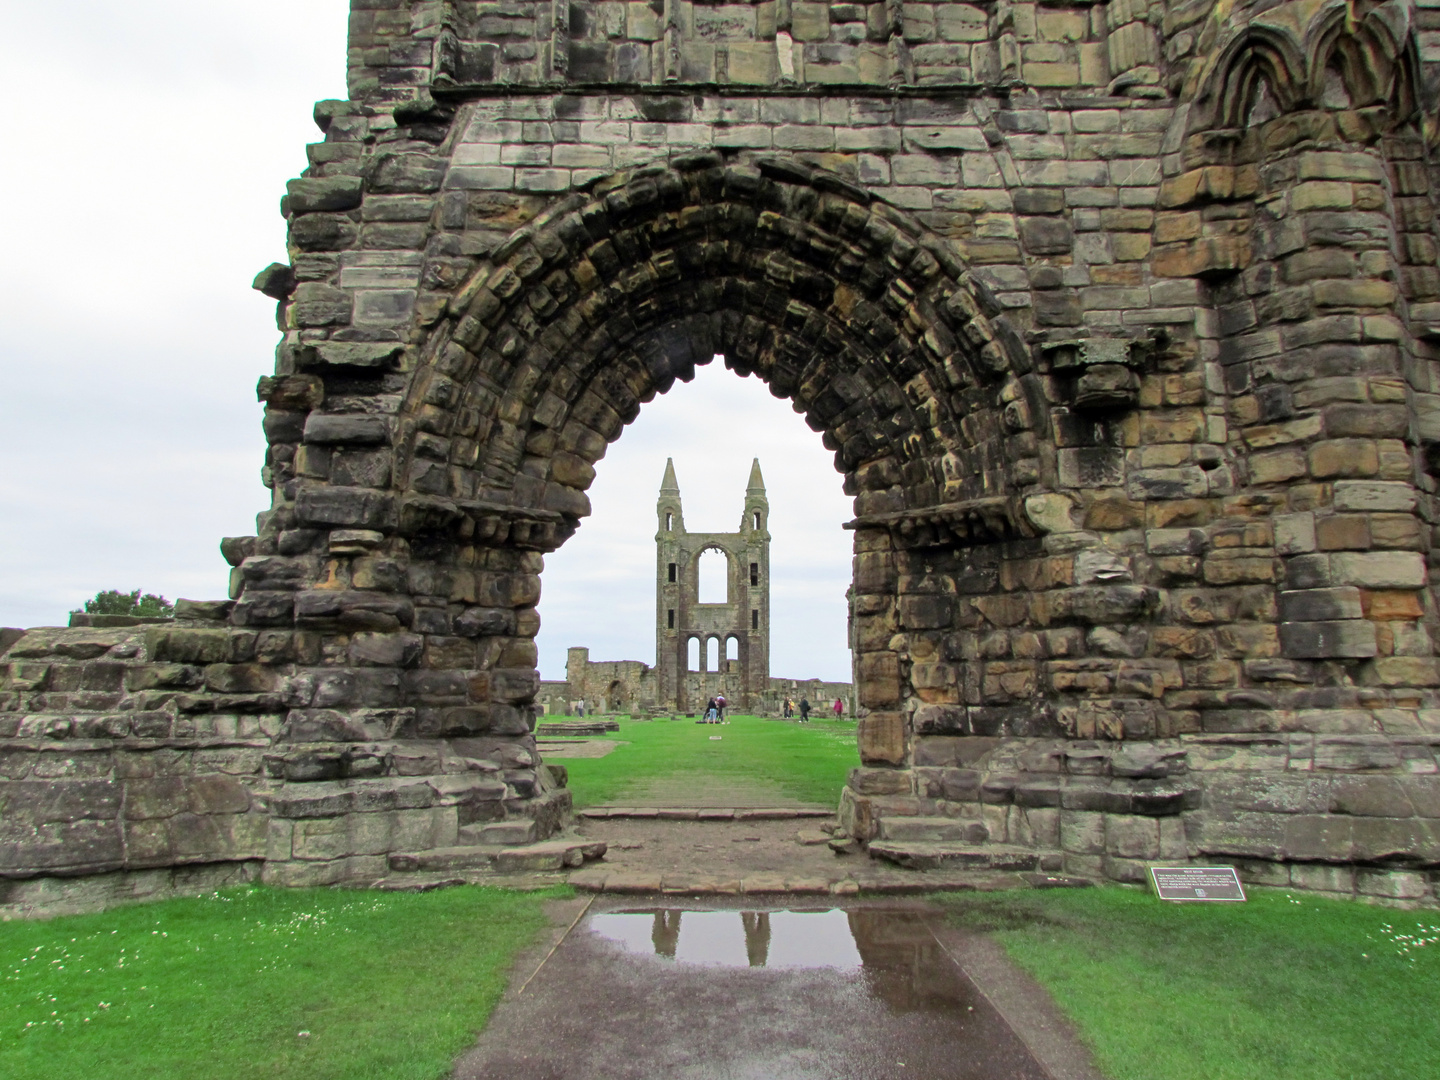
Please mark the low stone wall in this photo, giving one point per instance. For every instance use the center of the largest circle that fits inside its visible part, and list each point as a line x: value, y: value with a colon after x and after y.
x: 1350, y: 815
x: 133, y: 748
x: 46, y: 897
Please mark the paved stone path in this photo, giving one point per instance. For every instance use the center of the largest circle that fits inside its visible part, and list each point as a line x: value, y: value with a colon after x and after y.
x: 696, y: 990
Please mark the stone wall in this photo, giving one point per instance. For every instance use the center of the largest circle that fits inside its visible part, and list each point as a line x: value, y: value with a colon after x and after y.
x: 1118, y: 317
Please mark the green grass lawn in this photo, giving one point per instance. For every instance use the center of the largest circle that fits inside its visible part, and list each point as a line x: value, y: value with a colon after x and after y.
x: 807, y: 761
x: 388, y: 985
x: 1283, y: 986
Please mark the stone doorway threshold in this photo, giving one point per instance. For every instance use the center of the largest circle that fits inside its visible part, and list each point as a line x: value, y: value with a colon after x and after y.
x: 751, y: 856
x: 745, y: 857
x: 632, y: 989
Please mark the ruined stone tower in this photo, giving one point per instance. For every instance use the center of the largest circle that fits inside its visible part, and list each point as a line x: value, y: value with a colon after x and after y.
x: 739, y: 627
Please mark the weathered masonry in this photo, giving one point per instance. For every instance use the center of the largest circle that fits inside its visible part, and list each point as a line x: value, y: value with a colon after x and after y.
x: 1120, y: 318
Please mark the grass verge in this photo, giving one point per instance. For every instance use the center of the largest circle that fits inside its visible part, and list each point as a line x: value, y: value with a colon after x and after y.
x: 806, y: 761
x: 387, y: 985
x: 1284, y: 985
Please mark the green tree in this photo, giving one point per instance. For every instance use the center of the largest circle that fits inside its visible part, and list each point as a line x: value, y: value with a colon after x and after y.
x: 115, y: 602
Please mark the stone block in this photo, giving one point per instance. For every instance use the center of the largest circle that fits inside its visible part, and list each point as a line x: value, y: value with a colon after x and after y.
x: 1392, y: 884
x: 1323, y: 878
x: 1132, y: 837
x: 1082, y: 832
x: 1379, y: 569
x: 329, y: 429
x: 1343, y: 458
x: 323, y: 193
x: 345, y: 506
x: 1316, y: 640
x: 879, y: 782
x: 1045, y: 235
x: 881, y: 738
x: 879, y: 678
x: 810, y: 22
x: 941, y: 720
x: 1321, y: 605
x: 1407, y: 671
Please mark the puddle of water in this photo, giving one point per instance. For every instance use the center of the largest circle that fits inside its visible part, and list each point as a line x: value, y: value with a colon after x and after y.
x: 756, y: 939
x: 864, y: 994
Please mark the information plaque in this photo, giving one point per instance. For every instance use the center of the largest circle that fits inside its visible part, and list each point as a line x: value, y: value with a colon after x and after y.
x: 1197, y: 883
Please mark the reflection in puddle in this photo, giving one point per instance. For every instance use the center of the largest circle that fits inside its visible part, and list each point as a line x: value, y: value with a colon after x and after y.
x: 868, y: 993
x: 773, y: 939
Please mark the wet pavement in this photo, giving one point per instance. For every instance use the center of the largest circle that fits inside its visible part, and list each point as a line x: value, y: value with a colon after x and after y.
x: 691, y: 990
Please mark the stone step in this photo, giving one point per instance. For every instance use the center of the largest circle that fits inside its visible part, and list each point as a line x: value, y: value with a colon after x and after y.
x: 576, y: 727
x: 693, y: 813
x: 499, y: 833
x: 941, y: 830
x: 549, y: 855
x: 920, y: 855
x: 546, y: 855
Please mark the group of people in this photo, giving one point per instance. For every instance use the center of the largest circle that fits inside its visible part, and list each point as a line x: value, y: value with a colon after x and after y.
x: 789, y: 709
x: 715, y: 710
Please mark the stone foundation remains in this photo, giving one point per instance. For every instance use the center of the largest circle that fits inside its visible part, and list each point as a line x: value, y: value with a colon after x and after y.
x: 1120, y: 319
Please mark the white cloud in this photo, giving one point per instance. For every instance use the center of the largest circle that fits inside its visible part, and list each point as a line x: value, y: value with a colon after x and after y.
x: 149, y: 145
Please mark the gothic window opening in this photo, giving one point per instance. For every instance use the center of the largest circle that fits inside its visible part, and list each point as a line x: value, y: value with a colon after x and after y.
x: 1263, y: 106
x: 672, y: 573
x: 732, y: 648
x: 692, y: 657
x: 712, y: 654
x: 669, y: 523
x: 1334, y: 94
x: 754, y: 573
x: 714, y: 573
x: 670, y: 619
x: 755, y: 619
x: 757, y: 519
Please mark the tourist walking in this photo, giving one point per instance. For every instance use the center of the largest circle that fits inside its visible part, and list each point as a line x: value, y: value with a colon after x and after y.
x: 719, y: 708
x: 788, y: 710
x: 710, y: 711
x: 580, y: 708
x: 804, y: 710
x: 839, y: 708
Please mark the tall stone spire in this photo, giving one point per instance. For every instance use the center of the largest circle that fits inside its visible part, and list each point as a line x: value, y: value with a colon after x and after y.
x: 667, y: 505
x: 669, y: 485
x: 757, y: 482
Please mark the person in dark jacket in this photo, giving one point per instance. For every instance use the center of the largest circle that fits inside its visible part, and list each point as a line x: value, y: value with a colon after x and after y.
x: 804, y: 710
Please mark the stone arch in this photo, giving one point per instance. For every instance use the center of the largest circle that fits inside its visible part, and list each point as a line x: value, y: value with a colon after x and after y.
x: 1257, y: 56
x: 1375, y: 56
x: 872, y: 326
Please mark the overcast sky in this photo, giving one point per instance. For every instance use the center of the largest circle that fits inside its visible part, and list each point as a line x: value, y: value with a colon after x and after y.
x: 151, y: 141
